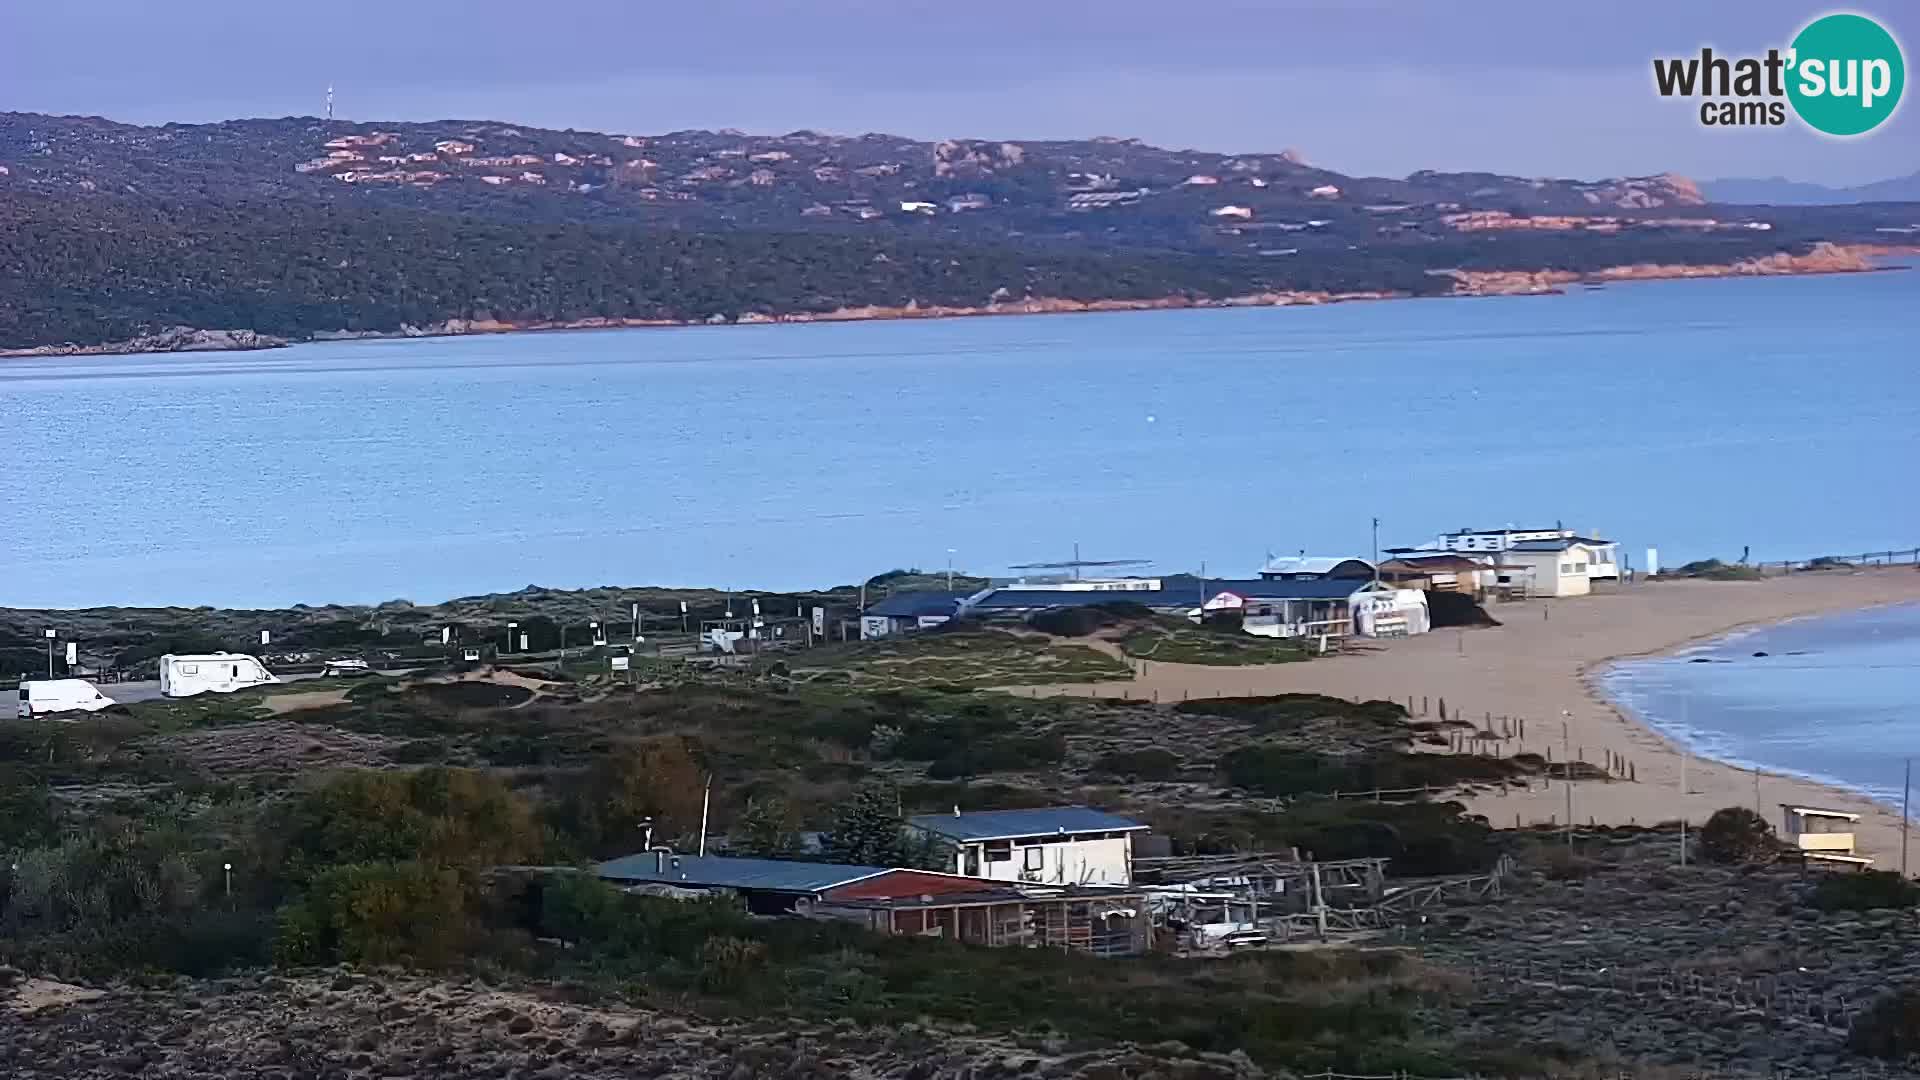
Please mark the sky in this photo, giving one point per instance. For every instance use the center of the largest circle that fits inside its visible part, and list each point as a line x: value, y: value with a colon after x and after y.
x: 1360, y: 86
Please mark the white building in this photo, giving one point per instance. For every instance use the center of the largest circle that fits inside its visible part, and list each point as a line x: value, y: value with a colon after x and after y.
x: 1315, y: 568
x: 1602, y: 557
x: 221, y: 673
x: 1059, y: 845
x: 1563, y: 566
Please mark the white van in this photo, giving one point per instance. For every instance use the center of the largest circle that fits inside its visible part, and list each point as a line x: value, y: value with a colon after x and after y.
x: 39, y: 697
x: 221, y: 672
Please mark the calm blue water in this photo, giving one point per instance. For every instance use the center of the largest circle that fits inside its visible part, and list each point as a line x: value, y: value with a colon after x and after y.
x: 1835, y: 699
x: 1697, y: 416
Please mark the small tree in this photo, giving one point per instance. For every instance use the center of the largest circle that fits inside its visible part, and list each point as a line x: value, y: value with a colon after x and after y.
x: 866, y: 831
x: 1735, y: 834
x: 765, y: 830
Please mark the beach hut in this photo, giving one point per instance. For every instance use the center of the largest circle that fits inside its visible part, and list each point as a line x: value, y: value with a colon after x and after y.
x: 1821, y: 835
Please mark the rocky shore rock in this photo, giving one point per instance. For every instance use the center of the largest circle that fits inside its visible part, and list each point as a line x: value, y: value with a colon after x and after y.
x: 174, y: 339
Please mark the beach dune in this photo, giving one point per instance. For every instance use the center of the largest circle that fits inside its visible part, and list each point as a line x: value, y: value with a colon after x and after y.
x: 1541, y: 662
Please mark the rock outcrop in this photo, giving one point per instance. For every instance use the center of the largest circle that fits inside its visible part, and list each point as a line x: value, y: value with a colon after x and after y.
x: 174, y: 339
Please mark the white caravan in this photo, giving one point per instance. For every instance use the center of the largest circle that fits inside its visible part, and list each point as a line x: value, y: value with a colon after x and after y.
x: 40, y: 697
x: 222, y: 673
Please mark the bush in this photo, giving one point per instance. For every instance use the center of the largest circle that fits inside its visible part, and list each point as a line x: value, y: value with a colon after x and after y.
x: 1715, y: 570
x: 1864, y: 891
x: 1735, y: 834
x: 1890, y: 1028
x: 727, y: 963
x: 453, y: 817
x: 1006, y: 754
x: 1081, y: 621
x: 377, y: 913
x: 1152, y: 763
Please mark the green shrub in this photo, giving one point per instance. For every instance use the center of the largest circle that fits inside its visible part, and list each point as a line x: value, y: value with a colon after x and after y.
x: 377, y: 913
x: 1005, y: 754
x: 727, y: 963
x: 1890, y: 1028
x: 1735, y: 834
x: 454, y: 817
x: 1864, y: 891
x: 1151, y: 763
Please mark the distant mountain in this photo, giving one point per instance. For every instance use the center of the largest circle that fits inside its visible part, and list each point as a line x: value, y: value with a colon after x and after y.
x: 1779, y: 191
x: 295, y: 227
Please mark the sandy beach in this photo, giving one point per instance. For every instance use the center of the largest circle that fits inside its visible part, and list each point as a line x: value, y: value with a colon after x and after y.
x: 1540, y: 661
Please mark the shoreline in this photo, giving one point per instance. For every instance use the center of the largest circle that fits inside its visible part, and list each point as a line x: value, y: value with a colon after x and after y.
x: 1824, y: 258
x: 1521, y: 670
x: 1595, y: 679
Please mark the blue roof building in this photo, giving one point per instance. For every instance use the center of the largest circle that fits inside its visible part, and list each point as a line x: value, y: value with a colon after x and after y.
x: 1008, y: 824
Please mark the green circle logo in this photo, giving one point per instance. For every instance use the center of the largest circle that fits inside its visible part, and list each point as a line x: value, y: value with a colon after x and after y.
x: 1847, y: 74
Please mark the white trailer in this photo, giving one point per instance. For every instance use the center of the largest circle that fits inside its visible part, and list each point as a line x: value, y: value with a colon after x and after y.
x: 221, y: 673
x: 41, y: 697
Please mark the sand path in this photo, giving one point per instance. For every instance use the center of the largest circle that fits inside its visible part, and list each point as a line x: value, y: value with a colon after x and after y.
x: 1539, y: 662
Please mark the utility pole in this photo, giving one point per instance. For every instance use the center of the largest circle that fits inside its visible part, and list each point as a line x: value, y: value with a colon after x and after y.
x: 1567, y: 758
x: 706, y: 798
x: 1685, y: 753
x: 949, y: 569
x: 1906, y: 795
x: 1376, y: 553
x: 51, y: 634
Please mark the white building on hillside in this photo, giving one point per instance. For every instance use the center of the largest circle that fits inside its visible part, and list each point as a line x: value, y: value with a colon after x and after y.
x: 1058, y: 845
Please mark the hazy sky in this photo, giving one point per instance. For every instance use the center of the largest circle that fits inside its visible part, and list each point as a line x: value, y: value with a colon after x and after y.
x: 1535, y: 88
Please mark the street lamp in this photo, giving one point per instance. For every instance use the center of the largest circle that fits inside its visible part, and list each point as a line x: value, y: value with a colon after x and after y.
x: 949, y: 569
x: 51, y: 634
x: 511, y: 627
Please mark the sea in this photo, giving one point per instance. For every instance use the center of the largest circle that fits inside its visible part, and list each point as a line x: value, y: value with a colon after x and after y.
x: 1831, y: 698
x: 1774, y: 416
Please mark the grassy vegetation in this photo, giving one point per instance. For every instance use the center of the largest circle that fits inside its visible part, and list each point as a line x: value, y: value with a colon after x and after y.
x: 1178, y: 643
x: 1715, y: 570
x: 961, y: 657
x: 386, y: 860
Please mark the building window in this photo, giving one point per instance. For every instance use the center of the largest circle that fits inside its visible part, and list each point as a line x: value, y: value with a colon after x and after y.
x: 999, y: 852
x: 1036, y: 859
x: 1579, y: 568
x: 1566, y: 569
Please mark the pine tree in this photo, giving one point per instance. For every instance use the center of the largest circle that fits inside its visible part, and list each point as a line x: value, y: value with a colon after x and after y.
x: 866, y: 831
x: 765, y: 831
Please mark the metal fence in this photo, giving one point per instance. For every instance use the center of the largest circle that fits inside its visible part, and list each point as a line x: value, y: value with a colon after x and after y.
x: 1904, y: 557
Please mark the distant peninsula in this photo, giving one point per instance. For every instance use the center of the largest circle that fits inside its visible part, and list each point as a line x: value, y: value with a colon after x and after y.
x: 256, y: 233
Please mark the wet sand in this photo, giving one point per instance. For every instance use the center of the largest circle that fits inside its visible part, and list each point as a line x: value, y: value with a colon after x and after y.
x: 1542, y: 660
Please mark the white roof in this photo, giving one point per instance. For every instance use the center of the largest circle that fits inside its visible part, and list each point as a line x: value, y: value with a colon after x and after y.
x: 1306, y: 564
x: 1814, y: 811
